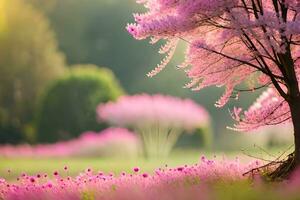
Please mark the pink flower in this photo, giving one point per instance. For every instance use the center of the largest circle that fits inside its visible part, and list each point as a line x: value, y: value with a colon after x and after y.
x: 136, y: 169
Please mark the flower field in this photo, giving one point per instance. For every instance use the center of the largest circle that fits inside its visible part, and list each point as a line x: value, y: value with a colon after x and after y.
x: 206, y: 179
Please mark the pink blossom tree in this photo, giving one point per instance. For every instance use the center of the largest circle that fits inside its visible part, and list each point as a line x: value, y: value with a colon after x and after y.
x: 242, y: 45
x: 159, y: 119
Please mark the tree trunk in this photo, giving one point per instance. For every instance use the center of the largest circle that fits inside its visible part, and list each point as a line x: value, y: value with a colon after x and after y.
x: 295, y: 114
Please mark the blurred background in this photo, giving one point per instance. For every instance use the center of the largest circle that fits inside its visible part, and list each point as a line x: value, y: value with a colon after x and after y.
x: 60, y: 58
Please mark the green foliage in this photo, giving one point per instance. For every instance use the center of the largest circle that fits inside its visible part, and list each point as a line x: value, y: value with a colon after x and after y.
x: 69, y: 105
x: 10, y: 134
x: 88, y: 195
x: 29, y: 59
x: 45, y: 5
x: 94, y: 32
x: 200, y: 138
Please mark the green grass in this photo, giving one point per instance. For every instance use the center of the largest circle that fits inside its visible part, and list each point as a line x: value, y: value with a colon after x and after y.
x: 75, y: 165
x: 33, y: 166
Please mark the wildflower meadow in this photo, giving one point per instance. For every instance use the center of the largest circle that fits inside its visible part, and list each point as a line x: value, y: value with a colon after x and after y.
x: 83, y: 118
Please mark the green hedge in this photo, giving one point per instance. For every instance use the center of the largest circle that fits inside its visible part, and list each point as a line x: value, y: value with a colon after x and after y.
x: 201, y: 138
x: 68, y: 107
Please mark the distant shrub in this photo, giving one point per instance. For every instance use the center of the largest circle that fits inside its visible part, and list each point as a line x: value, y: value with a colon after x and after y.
x: 274, y: 136
x: 111, y: 142
x: 202, y: 138
x: 68, y: 107
x: 10, y: 135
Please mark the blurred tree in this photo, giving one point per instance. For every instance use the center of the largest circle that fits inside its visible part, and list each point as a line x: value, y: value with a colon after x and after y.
x: 29, y: 59
x: 68, y: 107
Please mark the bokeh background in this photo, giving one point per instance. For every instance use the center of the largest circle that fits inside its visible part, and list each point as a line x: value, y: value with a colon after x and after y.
x: 50, y: 53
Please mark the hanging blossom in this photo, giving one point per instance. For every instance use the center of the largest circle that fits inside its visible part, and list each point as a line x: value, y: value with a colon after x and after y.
x: 109, y: 142
x: 269, y: 109
x: 158, y: 119
x: 230, y: 43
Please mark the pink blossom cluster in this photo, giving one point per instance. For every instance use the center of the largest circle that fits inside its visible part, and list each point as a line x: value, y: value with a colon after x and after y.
x: 184, y: 182
x: 231, y: 43
x: 269, y: 109
x: 109, y: 142
x: 154, y: 110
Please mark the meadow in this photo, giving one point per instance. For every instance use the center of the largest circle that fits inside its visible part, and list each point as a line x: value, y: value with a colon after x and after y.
x: 11, y: 168
x: 115, y: 165
x: 183, y: 175
x: 79, y: 120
